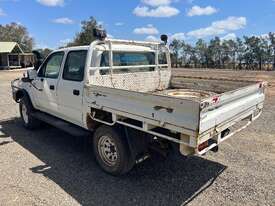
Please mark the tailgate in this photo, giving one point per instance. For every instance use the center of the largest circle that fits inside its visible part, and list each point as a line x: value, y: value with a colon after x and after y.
x: 231, y: 107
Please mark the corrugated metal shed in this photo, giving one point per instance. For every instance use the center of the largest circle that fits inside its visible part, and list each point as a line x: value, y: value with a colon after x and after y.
x: 8, y: 47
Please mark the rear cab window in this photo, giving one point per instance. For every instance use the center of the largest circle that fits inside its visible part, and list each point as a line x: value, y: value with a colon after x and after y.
x: 128, y: 59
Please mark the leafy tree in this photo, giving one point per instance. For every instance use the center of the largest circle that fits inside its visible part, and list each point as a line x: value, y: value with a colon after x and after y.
x: 240, y: 50
x: 17, y: 33
x: 176, y: 48
x: 229, y: 52
x: 201, y: 49
x: 214, y: 50
x: 86, y: 35
x: 45, y: 52
x: 272, y: 46
x: 255, y: 52
x: 225, y: 53
x: 249, y: 55
x: 265, y: 53
x: 190, y: 55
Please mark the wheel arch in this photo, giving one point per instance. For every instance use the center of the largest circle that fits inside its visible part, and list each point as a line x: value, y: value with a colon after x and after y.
x: 20, y: 94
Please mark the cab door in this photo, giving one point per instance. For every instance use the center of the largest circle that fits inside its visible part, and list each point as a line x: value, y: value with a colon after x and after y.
x: 45, y: 91
x: 70, y: 86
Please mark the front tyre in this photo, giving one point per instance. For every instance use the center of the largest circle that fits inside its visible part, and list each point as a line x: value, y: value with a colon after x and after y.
x: 26, y: 109
x: 111, y: 151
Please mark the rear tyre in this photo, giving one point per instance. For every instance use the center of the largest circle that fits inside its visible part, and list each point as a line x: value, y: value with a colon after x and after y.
x: 112, y: 151
x: 26, y: 109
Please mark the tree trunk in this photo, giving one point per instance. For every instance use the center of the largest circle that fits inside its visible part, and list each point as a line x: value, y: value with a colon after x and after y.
x: 240, y: 65
x: 260, y: 63
x: 234, y: 61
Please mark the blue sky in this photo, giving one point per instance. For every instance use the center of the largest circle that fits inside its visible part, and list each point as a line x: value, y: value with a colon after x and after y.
x: 53, y: 22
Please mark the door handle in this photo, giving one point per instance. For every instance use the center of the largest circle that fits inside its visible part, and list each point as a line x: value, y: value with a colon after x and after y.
x: 51, y: 87
x: 76, y: 92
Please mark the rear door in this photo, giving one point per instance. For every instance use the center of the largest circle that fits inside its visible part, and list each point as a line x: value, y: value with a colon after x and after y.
x: 70, y: 86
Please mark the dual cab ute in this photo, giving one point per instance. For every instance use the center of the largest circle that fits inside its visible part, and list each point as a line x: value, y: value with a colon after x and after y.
x: 120, y: 93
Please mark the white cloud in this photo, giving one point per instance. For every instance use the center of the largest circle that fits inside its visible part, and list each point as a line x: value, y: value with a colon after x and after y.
x: 230, y: 36
x: 51, y: 2
x: 161, y: 11
x: 199, y: 11
x: 2, y: 13
x: 156, y: 3
x: 63, y: 20
x: 178, y: 36
x: 152, y: 38
x: 119, y: 23
x: 219, y: 27
x: 149, y: 29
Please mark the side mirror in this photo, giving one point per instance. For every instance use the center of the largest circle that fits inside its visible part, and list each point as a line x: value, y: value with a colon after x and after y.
x: 31, y: 74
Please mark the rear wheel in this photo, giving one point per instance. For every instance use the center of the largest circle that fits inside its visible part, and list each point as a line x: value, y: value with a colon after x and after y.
x: 26, y: 109
x: 112, y: 151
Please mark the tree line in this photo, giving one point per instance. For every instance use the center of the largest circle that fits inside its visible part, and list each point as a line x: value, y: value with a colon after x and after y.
x: 251, y: 53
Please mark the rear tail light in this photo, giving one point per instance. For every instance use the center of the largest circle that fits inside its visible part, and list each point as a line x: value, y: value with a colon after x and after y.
x: 215, y: 99
x: 202, y: 146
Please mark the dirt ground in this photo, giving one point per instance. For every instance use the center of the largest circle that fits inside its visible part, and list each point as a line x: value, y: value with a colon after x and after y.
x: 49, y: 167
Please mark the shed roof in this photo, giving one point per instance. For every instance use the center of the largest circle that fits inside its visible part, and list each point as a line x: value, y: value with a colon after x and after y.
x: 8, y: 47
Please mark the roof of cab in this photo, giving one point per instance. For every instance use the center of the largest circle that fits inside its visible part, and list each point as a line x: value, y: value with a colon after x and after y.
x: 73, y: 48
x: 115, y: 47
x: 124, y: 47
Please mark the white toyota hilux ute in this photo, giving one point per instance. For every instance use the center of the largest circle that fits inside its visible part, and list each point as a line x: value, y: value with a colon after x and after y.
x: 122, y: 94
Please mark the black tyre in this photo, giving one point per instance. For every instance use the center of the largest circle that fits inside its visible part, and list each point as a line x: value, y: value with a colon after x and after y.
x: 112, y: 151
x: 26, y: 109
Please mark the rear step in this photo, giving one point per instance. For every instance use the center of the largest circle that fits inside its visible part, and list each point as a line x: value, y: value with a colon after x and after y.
x: 61, y: 124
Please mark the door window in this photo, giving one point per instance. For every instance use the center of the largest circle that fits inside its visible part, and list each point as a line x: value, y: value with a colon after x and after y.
x: 75, y: 65
x: 52, y: 66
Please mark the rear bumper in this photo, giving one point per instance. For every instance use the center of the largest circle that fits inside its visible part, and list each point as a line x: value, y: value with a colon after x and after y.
x: 216, y: 134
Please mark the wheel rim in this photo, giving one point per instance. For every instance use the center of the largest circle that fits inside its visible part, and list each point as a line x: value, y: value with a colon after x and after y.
x: 25, y: 113
x: 108, y: 150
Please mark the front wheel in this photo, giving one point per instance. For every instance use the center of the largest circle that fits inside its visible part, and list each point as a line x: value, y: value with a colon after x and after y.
x: 111, y: 151
x: 26, y: 109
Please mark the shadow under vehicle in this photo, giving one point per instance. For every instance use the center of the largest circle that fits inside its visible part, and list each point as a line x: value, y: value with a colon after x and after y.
x: 68, y: 163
